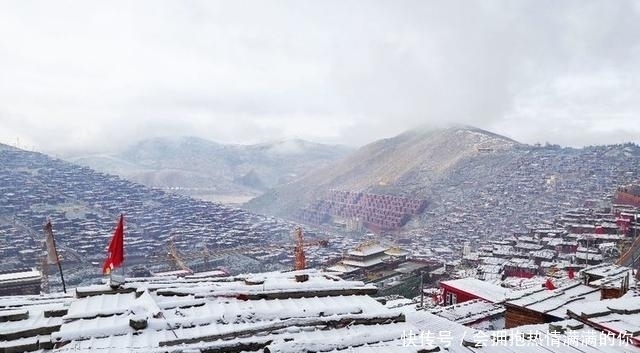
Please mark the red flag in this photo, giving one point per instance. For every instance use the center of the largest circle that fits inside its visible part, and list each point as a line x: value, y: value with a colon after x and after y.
x: 549, y: 284
x: 116, y: 249
x: 571, y: 274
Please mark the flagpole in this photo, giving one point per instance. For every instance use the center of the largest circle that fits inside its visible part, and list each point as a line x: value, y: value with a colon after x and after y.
x: 55, y: 251
x: 64, y: 287
x: 116, y: 254
x: 124, y: 258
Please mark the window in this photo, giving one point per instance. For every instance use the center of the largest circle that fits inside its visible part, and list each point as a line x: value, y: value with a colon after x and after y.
x: 451, y: 299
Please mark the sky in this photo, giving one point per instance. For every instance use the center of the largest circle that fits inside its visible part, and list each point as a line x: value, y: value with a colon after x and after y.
x: 99, y: 75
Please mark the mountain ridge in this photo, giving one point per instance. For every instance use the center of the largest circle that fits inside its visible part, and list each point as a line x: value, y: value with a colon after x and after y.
x: 378, y: 166
x: 211, y: 170
x: 464, y: 168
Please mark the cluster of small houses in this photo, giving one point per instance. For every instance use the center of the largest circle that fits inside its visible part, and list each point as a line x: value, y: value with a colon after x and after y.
x: 577, y: 238
x: 84, y: 206
x: 538, y: 300
x: 495, y: 196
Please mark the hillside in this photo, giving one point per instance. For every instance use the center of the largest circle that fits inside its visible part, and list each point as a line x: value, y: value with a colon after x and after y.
x: 474, y: 182
x: 84, y: 206
x: 212, y: 171
x: 388, y: 166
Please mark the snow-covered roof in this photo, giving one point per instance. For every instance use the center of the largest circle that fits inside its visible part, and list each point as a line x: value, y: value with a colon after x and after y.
x: 609, y: 275
x: 342, y: 268
x: 481, y: 289
x: 367, y: 249
x: 38, y: 314
x: 396, y: 251
x: 529, y: 246
x: 493, y: 260
x: 568, y: 336
x: 606, y: 270
x: 469, y: 312
x: 213, y: 273
x: 521, y: 263
x: 589, y: 236
x: 554, y: 302
x: 20, y: 276
x: 544, y: 254
x: 169, y: 315
x: 362, y: 263
x: 588, y: 256
x: 409, y: 267
x: 619, y: 316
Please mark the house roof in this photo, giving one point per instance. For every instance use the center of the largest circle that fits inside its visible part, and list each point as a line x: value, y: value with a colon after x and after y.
x: 19, y: 276
x: 554, y: 302
x: 181, y: 314
x: 367, y: 249
x: 569, y: 336
x: 606, y: 270
x: 619, y: 316
x: 362, y: 263
x: 478, y: 288
x: 521, y: 263
x: 469, y: 312
x: 251, y: 312
x: 342, y: 268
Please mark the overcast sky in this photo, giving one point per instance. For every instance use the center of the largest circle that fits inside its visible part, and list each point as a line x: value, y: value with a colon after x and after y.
x: 94, y: 75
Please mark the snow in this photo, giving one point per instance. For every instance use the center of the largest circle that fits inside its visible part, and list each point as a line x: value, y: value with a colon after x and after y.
x: 553, y: 302
x: 36, y: 309
x: 10, y: 312
x: 93, y: 327
x: 145, y: 305
x: 362, y: 263
x: 479, y: 288
x: 214, y: 273
x: 395, y: 251
x: 100, y: 305
x: 264, y: 284
x: 368, y: 249
x: 20, y: 276
x: 606, y: 270
x: 191, y: 316
x: 9, y: 346
x: 396, y: 303
x: 469, y: 311
x: 620, y: 314
x: 342, y: 268
x: 341, y: 338
x: 521, y: 263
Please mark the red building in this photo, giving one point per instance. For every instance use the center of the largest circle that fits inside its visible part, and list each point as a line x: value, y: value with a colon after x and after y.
x: 523, y: 268
x: 465, y: 289
x: 629, y: 195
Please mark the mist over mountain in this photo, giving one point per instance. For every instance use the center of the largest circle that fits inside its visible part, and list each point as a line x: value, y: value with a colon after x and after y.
x: 213, y: 171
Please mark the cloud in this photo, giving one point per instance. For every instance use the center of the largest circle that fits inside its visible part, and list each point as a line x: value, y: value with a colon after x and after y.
x: 97, y: 75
